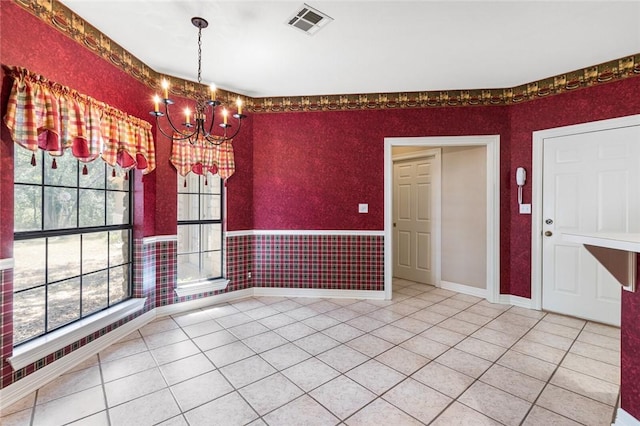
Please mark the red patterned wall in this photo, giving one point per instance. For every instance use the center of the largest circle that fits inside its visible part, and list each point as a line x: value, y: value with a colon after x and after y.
x: 629, y: 350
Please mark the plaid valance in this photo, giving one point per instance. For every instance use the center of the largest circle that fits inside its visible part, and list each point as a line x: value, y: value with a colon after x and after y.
x: 203, y: 157
x: 46, y: 115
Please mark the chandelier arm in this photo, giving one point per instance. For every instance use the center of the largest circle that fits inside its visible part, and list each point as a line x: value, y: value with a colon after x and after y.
x: 185, y: 135
x: 171, y: 136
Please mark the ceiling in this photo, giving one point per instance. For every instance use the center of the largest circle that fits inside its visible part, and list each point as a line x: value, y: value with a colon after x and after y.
x: 370, y: 46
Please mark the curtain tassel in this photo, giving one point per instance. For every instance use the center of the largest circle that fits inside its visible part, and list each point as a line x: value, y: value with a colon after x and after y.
x: 206, y: 182
x: 85, y: 171
x: 33, y: 159
x: 185, y: 183
x: 126, y: 176
x: 54, y: 165
x: 113, y: 173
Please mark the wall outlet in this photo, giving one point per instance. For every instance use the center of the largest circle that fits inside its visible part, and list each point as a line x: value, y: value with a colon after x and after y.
x: 525, y: 208
x: 248, y: 275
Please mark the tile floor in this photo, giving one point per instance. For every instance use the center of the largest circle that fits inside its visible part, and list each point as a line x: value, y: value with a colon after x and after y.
x: 429, y: 356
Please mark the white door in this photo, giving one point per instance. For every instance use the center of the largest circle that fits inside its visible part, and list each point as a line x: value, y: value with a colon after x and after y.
x: 591, y: 183
x: 412, y: 232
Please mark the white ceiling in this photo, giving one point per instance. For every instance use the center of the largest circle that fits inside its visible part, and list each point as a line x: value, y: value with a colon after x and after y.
x: 371, y: 46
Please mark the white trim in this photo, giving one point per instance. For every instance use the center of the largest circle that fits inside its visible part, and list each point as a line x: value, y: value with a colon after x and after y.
x: 39, y: 348
x: 301, y: 232
x: 522, y: 302
x: 464, y: 289
x: 178, y: 308
x: 625, y: 419
x: 159, y: 238
x: 436, y: 205
x: 44, y: 375
x: 6, y: 263
x: 538, y: 138
x: 201, y: 287
x: 492, y: 143
x: 318, y: 292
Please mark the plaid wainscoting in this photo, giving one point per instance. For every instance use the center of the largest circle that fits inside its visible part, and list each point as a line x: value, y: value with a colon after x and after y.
x: 6, y: 325
x: 345, y: 262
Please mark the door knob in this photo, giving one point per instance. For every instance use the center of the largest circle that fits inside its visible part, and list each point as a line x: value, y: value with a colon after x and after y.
x: 548, y: 221
x: 548, y: 233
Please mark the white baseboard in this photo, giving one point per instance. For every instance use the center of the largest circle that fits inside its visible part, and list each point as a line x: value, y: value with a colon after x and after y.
x: 178, y: 308
x: 625, y: 419
x: 464, y: 289
x: 41, y: 377
x: 523, y: 302
x: 318, y: 292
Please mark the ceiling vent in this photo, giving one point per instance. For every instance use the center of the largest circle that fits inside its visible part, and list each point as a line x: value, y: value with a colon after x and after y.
x: 308, y: 20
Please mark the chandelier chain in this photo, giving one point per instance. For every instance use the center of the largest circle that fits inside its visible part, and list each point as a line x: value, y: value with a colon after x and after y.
x: 199, y: 54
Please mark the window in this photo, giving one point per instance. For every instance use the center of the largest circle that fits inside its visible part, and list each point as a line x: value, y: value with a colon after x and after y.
x: 72, y: 242
x: 199, y: 228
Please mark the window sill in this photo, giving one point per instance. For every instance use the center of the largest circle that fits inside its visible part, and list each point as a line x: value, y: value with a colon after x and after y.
x: 39, y: 348
x: 201, y: 287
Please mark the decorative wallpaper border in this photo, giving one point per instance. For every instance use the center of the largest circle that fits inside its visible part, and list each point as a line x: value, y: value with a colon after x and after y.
x: 64, y: 20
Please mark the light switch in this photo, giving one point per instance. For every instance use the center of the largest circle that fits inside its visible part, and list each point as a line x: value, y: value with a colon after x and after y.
x: 525, y: 208
x: 363, y: 208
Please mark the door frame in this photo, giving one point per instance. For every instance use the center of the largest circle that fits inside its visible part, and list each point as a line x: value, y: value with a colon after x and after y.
x: 538, y: 138
x: 492, y: 144
x: 436, y: 199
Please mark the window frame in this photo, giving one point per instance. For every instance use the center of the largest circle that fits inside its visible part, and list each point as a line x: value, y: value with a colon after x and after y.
x: 81, y: 231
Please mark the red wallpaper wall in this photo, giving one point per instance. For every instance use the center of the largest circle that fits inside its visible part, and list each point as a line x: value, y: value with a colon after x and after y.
x: 630, y: 347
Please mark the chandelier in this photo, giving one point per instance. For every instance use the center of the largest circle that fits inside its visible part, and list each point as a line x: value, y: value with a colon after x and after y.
x: 204, y: 103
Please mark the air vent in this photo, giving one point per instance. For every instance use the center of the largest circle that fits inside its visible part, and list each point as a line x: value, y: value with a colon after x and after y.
x: 308, y: 20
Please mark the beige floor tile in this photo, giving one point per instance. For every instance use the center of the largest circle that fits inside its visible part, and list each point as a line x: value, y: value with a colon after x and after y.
x: 219, y: 311
x: 22, y: 404
x: 402, y: 308
x: 375, y: 376
x: 248, y: 329
x: 89, y: 362
x: 505, y: 326
x: 16, y: 418
x: 444, y: 336
x: 164, y: 338
x: 418, y: 303
x: 458, y: 326
x: 591, y: 367
x: 234, y: 320
x: 496, y: 337
x: 480, y: 348
x: 247, y: 371
x: 586, y: 385
x: 412, y: 325
x: 190, y: 318
x: 158, y: 326
x: 285, y: 356
x: 69, y: 383
x: 230, y: 409
x: 485, y: 311
x: 464, y: 362
x: 265, y: 341
x: 605, y: 330
x: 134, y: 386
x: 186, y: 368
x: 247, y: 304
x: 541, y: 416
x: 428, y: 316
x: 519, y: 320
x: 393, y: 334
x: 369, y: 345
x: 431, y: 297
x: 343, y: 332
x: 549, y: 339
x: 321, y: 322
x: 98, y: 419
x: 402, y: 360
x: 513, y: 382
x: 270, y: 393
x: 316, y: 343
x: 342, y: 358
x: 557, y: 329
x: 528, y: 365
x: 302, y: 411
x: 227, y: 354
x: 324, y: 306
x: 538, y: 350
x: 443, y: 309
x: 443, y: 379
x: 380, y: 412
x: 565, y: 320
x: 174, y: 352
x: 495, y: 403
x: 418, y: 400
x: 610, y: 343
x: 532, y: 313
x: 364, y: 323
x: 310, y: 374
x: 302, y: 313
x: 122, y: 349
x: 343, y: 314
x: 201, y: 389
x: 175, y: 421
x: 213, y: 340
x: 425, y: 347
x: 261, y: 312
x: 596, y: 352
x: 459, y: 414
x: 70, y: 408
x: 201, y: 328
x: 276, y: 321
x: 472, y: 318
x: 385, y: 315
x: 342, y: 396
x: 126, y: 366
x: 576, y: 407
